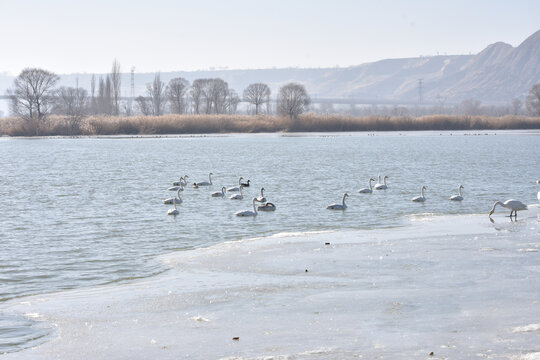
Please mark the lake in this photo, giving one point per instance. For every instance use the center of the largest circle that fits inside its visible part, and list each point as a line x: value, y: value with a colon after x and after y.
x: 84, y: 212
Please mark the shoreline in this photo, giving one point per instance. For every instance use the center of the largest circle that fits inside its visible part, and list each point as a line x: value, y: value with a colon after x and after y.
x: 489, y: 132
x: 379, y: 292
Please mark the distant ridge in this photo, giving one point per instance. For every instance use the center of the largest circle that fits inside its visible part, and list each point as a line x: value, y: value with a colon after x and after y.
x: 496, y: 75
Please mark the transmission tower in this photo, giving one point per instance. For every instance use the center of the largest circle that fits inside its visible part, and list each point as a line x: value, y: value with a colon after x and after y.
x: 419, y: 91
x: 132, y: 89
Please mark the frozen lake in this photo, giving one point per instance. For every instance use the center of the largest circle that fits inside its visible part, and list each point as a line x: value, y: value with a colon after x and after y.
x: 78, y: 213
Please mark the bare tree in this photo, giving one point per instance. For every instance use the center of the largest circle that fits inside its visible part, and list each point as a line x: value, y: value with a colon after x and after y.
x: 196, y: 93
x: 32, y: 95
x: 292, y: 100
x: 156, y: 93
x: 257, y: 94
x: 93, y: 104
x: 116, y: 82
x: 516, y: 106
x: 73, y: 103
x: 176, y: 94
x: 144, y: 104
x: 231, y: 102
x: 470, y: 107
x: 533, y: 100
x: 104, y: 98
x: 218, y: 91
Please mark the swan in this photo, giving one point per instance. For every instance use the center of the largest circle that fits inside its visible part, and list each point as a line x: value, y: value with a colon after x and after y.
x: 538, y: 195
x: 171, y: 200
x: 513, y: 205
x: 173, y: 211
x: 248, y: 212
x: 246, y: 184
x: 261, y: 198
x: 366, y: 190
x: 380, y: 186
x: 341, y: 206
x: 267, y: 206
x: 206, y: 183
x: 236, y: 188
x: 457, y: 197
x: 176, y: 188
x: 420, y: 198
x: 238, y: 196
x: 220, y: 193
x: 182, y: 181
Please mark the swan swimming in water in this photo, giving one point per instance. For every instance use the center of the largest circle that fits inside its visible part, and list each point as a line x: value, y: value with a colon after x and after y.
x: 205, y: 183
x: 248, y: 212
x: 420, y: 198
x: 236, y: 188
x: 219, y: 193
x: 176, y: 188
x: 261, y: 198
x: 380, y: 186
x: 513, y: 205
x: 267, y: 206
x: 538, y: 195
x: 172, y: 200
x: 182, y: 181
x: 366, y: 190
x: 237, y: 196
x: 341, y: 206
x: 173, y: 211
x: 457, y: 197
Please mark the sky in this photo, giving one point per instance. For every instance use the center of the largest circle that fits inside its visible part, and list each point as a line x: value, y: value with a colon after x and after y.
x: 67, y: 36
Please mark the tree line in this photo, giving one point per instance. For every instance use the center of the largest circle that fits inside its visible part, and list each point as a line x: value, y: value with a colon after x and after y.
x: 34, y: 96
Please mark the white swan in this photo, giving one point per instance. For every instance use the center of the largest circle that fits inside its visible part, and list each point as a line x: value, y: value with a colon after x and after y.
x: 176, y: 188
x: 220, y: 193
x: 513, y: 205
x: 248, y: 212
x: 173, y: 211
x: 261, y: 198
x: 238, y: 196
x: 267, y: 206
x: 182, y: 181
x: 205, y: 183
x: 457, y: 197
x: 380, y: 186
x: 341, y: 206
x: 236, y: 188
x: 538, y: 195
x: 366, y: 190
x: 172, y: 200
x: 420, y: 198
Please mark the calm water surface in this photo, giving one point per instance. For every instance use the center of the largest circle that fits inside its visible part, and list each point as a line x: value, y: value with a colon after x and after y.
x: 80, y: 212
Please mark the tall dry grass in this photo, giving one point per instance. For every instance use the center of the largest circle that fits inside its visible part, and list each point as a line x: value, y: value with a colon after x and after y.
x: 208, y: 124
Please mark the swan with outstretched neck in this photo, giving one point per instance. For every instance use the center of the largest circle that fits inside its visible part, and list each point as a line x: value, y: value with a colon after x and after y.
x: 219, y: 193
x: 513, y: 205
x: 341, y: 206
x: 380, y: 186
x: 457, y: 197
x: 420, y: 198
x: 205, y: 183
x: 236, y: 188
x: 173, y: 211
x: 248, y: 212
x: 239, y: 196
x: 368, y: 190
x: 261, y: 198
x: 172, y: 200
x: 182, y: 181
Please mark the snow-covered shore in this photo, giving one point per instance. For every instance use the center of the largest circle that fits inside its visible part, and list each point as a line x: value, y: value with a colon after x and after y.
x: 459, y: 287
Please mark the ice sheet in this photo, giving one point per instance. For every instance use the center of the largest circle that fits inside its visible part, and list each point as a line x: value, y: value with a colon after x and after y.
x: 458, y: 286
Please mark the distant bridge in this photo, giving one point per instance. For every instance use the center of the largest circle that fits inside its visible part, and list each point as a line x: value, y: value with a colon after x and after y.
x: 334, y: 101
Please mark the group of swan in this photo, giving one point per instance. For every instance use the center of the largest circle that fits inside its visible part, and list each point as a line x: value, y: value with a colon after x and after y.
x: 178, y: 186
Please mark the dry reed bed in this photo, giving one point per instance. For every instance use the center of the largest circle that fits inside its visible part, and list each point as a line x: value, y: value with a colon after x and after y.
x: 207, y: 124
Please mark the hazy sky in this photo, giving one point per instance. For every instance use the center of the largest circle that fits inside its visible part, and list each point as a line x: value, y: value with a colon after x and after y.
x: 68, y: 36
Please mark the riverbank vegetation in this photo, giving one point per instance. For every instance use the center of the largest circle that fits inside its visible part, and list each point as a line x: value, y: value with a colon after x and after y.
x: 219, y: 124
